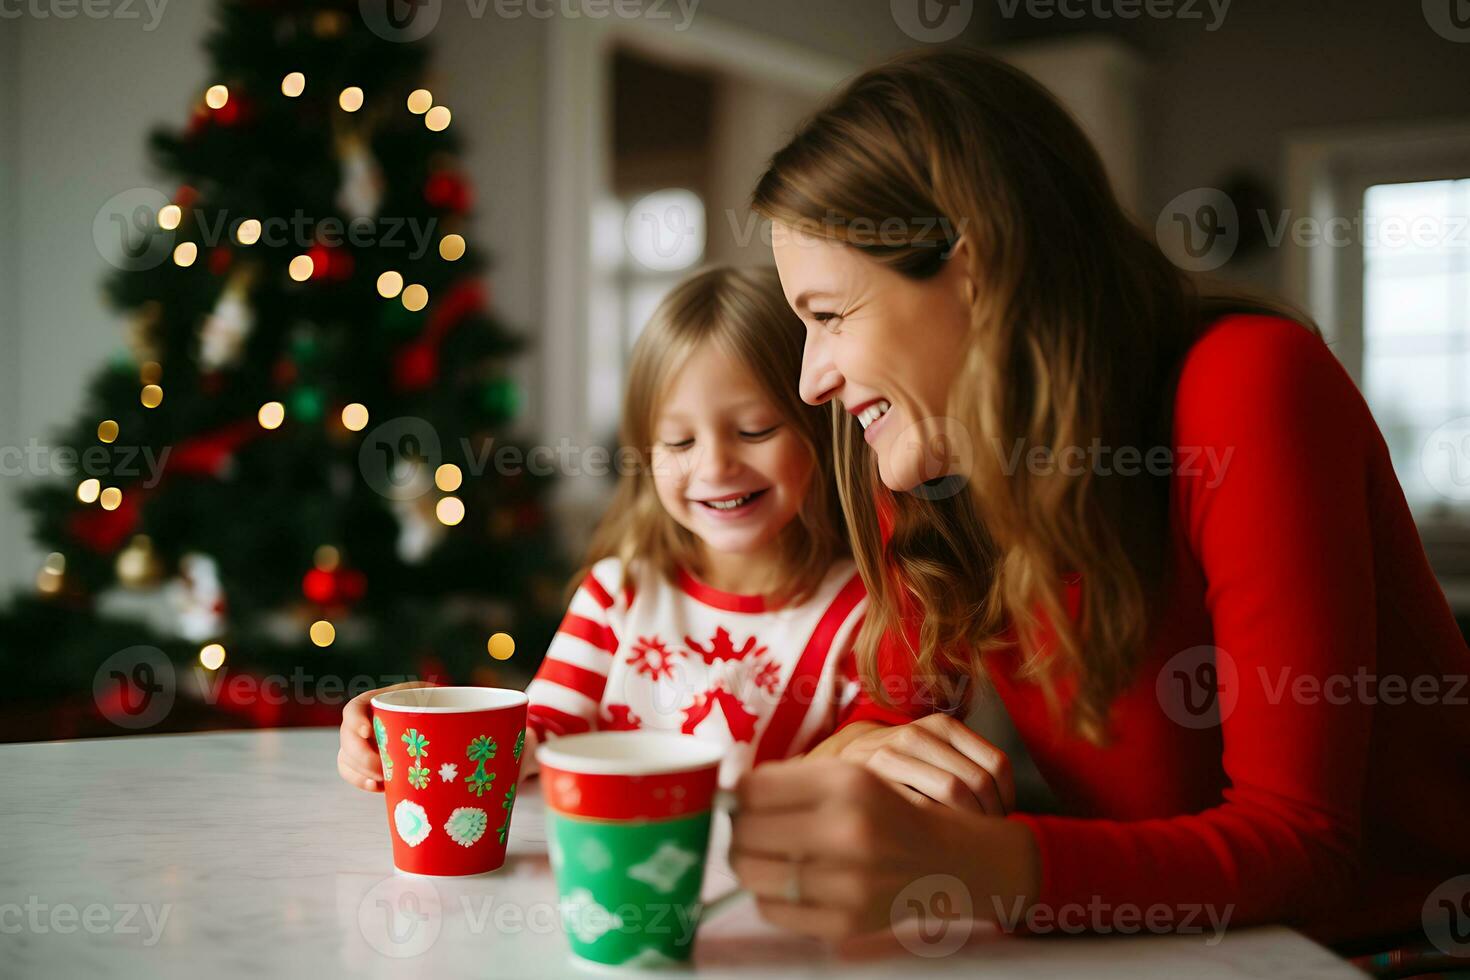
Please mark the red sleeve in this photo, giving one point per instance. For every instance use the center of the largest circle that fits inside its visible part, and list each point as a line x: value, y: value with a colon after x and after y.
x: 1283, y: 539
x: 566, y: 693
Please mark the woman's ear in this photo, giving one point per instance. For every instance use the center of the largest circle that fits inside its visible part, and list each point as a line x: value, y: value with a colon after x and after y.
x: 958, y: 266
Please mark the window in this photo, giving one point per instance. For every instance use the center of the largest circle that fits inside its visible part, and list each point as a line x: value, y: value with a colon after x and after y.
x: 1416, y: 334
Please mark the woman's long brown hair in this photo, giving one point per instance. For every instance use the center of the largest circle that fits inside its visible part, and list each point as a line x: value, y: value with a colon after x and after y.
x: 744, y: 312
x: 1078, y: 329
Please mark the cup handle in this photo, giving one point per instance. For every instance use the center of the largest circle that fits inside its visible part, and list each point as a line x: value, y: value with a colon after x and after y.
x: 724, y: 800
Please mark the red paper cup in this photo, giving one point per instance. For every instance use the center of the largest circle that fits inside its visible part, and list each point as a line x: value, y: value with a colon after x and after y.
x: 451, y: 758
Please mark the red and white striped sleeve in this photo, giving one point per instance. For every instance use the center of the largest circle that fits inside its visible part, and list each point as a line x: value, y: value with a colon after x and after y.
x: 566, y: 692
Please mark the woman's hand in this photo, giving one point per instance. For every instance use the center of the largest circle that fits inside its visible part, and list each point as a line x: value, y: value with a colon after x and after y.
x: 934, y: 760
x: 828, y: 847
x: 358, y: 761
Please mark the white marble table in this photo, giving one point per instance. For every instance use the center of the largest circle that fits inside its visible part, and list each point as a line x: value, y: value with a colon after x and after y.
x: 243, y: 854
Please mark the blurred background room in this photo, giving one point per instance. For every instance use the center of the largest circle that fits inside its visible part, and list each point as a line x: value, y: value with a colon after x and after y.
x: 249, y: 468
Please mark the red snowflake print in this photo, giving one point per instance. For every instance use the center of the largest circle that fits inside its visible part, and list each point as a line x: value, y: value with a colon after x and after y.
x: 620, y: 718
x: 767, y: 676
x: 722, y: 647
x: 740, y: 720
x: 650, y: 656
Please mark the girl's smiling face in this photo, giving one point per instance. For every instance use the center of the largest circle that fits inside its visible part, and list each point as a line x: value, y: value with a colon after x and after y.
x: 885, y: 345
x: 727, y: 465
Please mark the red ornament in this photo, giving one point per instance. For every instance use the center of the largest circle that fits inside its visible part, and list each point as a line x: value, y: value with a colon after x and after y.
x: 336, y: 587
x: 448, y: 191
x: 104, y: 531
x: 319, y: 586
x: 220, y: 258
x: 330, y: 262
x: 416, y: 367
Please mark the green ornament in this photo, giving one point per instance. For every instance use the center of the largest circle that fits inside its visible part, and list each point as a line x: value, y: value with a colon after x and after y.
x: 500, y: 399
x: 306, y: 403
x: 303, y: 347
x: 397, y: 319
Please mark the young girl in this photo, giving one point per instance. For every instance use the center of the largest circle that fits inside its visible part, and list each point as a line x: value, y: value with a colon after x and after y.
x: 719, y: 598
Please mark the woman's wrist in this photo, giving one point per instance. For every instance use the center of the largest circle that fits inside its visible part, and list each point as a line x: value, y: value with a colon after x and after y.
x: 1002, y: 864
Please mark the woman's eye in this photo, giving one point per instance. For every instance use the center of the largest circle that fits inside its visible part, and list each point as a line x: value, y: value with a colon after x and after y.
x: 825, y: 319
x: 760, y: 434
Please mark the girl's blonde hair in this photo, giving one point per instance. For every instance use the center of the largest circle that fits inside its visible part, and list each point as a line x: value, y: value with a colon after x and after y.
x: 1077, y: 331
x: 745, y: 314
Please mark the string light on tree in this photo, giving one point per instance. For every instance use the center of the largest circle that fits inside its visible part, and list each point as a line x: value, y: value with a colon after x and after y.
x: 271, y: 415
x: 322, y: 633
x: 216, y: 96
x: 301, y: 268
x: 106, y: 430
x: 111, y: 498
x: 293, y: 85
x: 53, y: 570
x: 450, y: 511
x: 420, y: 101
x: 448, y: 477
x: 390, y: 284
x: 89, y: 489
x: 150, y: 372
x: 451, y: 247
x: 327, y: 558
x: 351, y: 99
x: 248, y: 231
x: 415, y: 298
x: 185, y: 253
x: 212, y: 656
x: 169, y: 217
x: 502, y: 646
x: 355, y: 417
x: 138, y: 565
x: 151, y: 396
x: 437, y: 118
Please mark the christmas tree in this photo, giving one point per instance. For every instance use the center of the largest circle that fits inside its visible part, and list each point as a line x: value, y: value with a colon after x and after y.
x: 301, y: 462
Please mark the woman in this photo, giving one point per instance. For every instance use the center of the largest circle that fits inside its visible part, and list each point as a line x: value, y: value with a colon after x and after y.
x: 1168, y: 535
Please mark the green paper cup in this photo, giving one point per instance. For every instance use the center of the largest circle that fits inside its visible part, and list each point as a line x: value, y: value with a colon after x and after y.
x: 628, y: 825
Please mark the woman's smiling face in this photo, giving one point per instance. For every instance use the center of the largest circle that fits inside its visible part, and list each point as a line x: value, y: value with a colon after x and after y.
x: 886, y: 346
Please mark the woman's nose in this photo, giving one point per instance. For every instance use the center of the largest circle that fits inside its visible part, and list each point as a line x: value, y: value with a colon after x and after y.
x: 820, y: 379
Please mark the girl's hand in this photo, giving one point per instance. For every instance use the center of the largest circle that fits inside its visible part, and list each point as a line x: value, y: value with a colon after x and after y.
x: 358, y: 761
x: 937, y: 760
x: 828, y: 848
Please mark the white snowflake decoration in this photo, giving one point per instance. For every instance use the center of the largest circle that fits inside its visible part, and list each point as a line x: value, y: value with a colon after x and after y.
x: 448, y: 772
x: 412, y: 822
x: 594, y: 855
x: 466, y: 825
x: 663, y: 870
x: 585, y: 918
x: 649, y: 958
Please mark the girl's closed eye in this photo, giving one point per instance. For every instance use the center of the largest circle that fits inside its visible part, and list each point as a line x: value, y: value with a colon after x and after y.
x: 677, y: 444
x: 756, y: 434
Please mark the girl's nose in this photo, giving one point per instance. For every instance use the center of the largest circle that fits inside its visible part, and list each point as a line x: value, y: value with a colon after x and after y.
x: 820, y: 379
x: 719, y: 460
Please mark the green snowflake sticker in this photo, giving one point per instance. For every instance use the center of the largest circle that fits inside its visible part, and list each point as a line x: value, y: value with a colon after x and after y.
x: 418, y: 746
x: 520, y: 744
x: 418, y: 776
x: 466, y: 825
x: 510, y: 801
x: 482, y: 747
x: 381, y: 734
x: 479, y: 780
